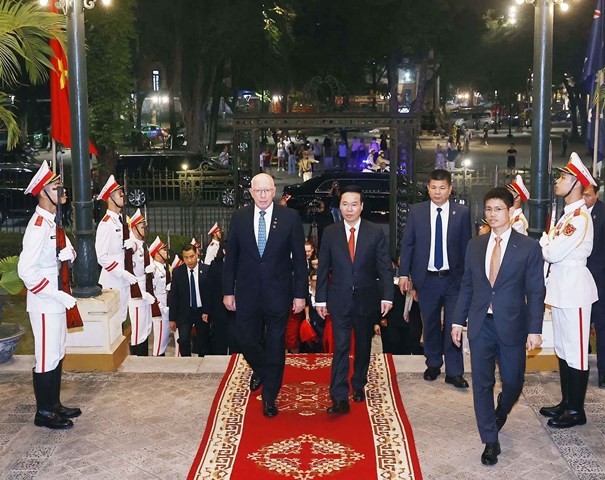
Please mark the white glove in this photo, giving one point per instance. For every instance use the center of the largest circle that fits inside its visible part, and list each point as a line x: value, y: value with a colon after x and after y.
x: 148, y: 298
x: 64, y: 298
x: 129, y: 277
x: 544, y: 240
x: 168, y: 285
x: 164, y: 310
x: 150, y: 268
x: 130, y: 244
x: 67, y: 255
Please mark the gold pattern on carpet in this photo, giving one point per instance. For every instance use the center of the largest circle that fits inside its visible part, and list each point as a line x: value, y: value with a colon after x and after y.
x: 305, y: 457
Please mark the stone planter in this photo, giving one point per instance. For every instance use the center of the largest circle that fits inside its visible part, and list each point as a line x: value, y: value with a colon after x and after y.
x: 10, y: 334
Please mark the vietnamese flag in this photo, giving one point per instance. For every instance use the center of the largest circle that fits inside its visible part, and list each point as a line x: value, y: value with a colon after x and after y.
x: 59, y: 96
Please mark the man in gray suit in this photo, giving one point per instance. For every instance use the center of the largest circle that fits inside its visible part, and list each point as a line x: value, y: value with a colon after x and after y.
x: 502, y: 295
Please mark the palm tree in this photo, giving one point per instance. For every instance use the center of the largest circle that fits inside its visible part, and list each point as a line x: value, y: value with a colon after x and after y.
x: 25, y: 53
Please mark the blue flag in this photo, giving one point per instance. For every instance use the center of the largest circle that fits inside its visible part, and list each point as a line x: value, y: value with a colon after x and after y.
x: 595, y: 61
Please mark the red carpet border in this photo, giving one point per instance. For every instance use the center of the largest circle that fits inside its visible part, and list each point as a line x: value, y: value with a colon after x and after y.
x: 375, y: 440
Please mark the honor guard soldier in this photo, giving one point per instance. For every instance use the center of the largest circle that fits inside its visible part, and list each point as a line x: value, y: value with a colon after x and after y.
x: 176, y: 262
x: 110, y: 245
x: 46, y: 303
x: 198, y: 246
x: 216, y: 234
x: 161, y: 326
x: 521, y: 195
x: 570, y: 291
x: 139, y: 307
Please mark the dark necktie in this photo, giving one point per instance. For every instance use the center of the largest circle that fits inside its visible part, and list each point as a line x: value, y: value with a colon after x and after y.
x: 262, y: 233
x: 352, y: 244
x: 438, y: 241
x: 192, y: 290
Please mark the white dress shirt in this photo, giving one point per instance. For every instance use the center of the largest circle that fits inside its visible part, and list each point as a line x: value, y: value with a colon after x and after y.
x: 445, y: 213
x: 491, y: 244
x: 268, y: 217
x: 196, y: 279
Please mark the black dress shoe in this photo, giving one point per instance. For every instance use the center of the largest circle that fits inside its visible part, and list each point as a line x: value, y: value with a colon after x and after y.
x: 67, y: 412
x: 601, y: 380
x: 568, y: 419
x: 500, y: 419
x: 554, y: 411
x: 269, y: 409
x: 49, y: 419
x: 490, y: 454
x: 339, y: 407
x: 359, y: 395
x: 255, y: 382
x: 431, y: 373
x: 457, y: 381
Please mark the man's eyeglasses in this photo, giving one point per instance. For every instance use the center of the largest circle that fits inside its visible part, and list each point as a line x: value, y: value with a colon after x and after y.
x: 263, y: 191
x: 495, y: 210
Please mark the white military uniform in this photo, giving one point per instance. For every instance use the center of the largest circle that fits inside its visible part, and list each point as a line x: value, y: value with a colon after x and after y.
x: 109, y: 247
x: 138, y: 308
x: 518, y: 222
x: 161, y: 326
x: 570, y: 288
x: 211, y: 251
x: 38, y: 267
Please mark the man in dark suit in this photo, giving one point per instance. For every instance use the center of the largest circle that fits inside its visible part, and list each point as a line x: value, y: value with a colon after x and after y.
x: 432, y: 257
x: 596, y: 265
x: 190, y: 301
x: 266, y: 273
x: 502, y: 295
x: 354, y: 283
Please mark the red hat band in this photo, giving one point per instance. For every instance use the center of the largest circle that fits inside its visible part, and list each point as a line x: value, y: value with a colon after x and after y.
x: 579, y: 175
x: 42, y: 183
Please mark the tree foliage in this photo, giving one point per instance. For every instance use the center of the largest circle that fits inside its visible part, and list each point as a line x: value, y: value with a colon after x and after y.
x: 25, y: 32
x: 109, y: 37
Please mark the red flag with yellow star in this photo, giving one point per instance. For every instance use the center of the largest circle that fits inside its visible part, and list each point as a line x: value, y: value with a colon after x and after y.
x: 59, y: 96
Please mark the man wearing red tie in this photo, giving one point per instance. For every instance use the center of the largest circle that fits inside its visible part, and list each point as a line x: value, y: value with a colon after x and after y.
x: 354, y: 286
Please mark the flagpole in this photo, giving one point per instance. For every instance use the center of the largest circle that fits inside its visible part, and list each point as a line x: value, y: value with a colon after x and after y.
x: 596, y: 114
x: 86, y: 268
x: 53, y: 152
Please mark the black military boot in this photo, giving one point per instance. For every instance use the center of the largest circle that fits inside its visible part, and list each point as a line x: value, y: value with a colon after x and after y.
x: 558, y: 409
x: 45, y: 417
x: 574, y: 414
x: 58, y: 408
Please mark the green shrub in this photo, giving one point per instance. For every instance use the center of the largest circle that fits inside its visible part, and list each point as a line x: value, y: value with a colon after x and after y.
x: 11, y: 244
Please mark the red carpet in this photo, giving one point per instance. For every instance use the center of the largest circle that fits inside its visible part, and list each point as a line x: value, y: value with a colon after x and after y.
x: 374, y: 441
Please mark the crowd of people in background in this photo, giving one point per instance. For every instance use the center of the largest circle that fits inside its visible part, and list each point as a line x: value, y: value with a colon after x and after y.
x: 305, y: 157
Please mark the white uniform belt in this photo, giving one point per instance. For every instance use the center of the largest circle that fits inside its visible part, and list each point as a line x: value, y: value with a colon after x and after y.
x: 572, y: 263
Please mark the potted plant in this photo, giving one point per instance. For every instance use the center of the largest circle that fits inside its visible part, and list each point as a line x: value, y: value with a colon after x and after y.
x: 10, y: 284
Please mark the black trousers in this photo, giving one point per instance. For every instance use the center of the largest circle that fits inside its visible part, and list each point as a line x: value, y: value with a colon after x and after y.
x: 261, y: 336
x: 194, y: 318
x: 342, y: 326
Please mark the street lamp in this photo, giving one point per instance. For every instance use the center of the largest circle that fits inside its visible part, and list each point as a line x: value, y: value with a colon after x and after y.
x: 85, y: 271
x: 542, y: 93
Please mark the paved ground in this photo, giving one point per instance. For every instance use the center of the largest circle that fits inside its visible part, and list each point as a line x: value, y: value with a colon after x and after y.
x: 146, y: 422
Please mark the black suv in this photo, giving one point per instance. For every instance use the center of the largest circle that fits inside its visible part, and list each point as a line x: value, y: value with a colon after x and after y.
x: 144, y: 163
x: 376, y: 192
x: 14, y: 179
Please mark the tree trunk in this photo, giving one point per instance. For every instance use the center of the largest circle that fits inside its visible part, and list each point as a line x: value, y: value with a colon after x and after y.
x: 418, y: 102
x: 392, y: 80
x: 217, y: 93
